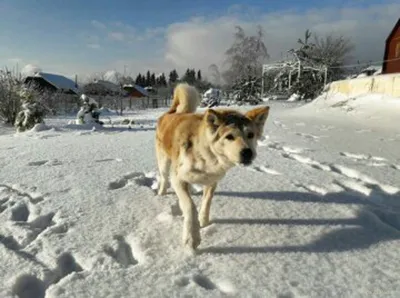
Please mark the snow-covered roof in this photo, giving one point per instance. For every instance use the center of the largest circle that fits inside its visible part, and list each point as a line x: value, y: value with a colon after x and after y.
x: 140, y: 89
x: 58, y: 81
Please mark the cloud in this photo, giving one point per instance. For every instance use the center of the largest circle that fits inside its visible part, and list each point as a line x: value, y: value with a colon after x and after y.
x: 93, y: 46
x: 98, y: 25
x: 200, y: 42
x: 116, y: 36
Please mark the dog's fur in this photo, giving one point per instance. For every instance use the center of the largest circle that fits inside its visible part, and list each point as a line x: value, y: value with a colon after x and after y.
x: 200, y: 149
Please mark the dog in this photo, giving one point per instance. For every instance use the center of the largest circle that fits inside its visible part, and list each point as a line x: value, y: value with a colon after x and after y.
x: 193, y: 148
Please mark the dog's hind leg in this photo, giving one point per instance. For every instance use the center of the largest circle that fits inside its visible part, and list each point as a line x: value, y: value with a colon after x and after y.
x: 164, y: 165
x: 191, y: 227
x: 204, y: 214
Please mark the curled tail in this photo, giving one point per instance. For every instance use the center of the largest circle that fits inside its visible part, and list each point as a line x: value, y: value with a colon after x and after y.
x: 185, y: 100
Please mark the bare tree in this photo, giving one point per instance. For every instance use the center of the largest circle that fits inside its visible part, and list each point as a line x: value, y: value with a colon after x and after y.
x: 10, y: 101
x: 245, y: 56
x: 215, y: 74
x: 333, y: 51
x: 315, y: 61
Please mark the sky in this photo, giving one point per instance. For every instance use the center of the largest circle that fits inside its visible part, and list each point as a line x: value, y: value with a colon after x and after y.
x: 87, y: 37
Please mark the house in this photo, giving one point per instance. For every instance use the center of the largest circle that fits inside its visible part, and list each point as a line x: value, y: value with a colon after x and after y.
x: 136, y: 90
x: 102, y: 88
x: 391, y: 59
x: 52, y: 82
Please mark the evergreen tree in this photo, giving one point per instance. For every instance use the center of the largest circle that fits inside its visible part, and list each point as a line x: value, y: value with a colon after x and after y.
x: 163, y: 80
x: 138, y: 80
x: 153, y: 80
x: 148, y: 79
x: 199, y: 78
x: 173, y: 76
x: 190, y: 76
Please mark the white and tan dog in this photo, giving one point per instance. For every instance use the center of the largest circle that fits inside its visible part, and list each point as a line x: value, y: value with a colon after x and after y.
x: 200, y: 149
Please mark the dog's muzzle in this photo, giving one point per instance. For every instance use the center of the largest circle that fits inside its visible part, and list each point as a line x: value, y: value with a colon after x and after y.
x: 246, y: 156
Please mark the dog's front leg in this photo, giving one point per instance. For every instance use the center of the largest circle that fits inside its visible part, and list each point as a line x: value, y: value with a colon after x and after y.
x: 204, y: 215
x: 191, y: 227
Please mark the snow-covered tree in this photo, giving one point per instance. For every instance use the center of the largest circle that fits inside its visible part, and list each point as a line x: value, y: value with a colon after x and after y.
x: 247, y: 90
x: 245, y: 56
x: 33, y: 111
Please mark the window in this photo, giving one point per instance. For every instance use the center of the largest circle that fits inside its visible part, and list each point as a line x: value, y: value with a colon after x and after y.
x: 397, y: 54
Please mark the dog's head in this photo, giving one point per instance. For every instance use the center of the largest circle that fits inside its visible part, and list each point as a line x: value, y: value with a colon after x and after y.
x: 233, y: 136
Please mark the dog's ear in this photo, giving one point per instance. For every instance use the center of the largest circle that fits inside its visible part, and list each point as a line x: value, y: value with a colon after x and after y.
x: 258, y: 116
x: 213, y: 118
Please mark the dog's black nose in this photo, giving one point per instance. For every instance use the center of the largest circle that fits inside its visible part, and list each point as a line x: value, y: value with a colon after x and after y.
x: 246, y: 156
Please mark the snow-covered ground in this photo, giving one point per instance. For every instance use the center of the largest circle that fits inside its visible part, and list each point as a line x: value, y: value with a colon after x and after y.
x: 316, y: 215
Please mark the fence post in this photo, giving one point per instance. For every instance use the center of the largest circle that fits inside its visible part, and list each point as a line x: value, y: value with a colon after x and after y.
x: 326, y: 76
x: 262, y: 82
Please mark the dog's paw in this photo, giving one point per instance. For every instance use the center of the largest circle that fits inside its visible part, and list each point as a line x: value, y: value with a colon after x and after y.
x: 162, y: 192
x: 204, y: 220
x: 191, y: 234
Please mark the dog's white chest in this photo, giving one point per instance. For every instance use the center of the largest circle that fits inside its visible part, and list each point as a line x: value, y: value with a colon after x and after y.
x: 200, y: 172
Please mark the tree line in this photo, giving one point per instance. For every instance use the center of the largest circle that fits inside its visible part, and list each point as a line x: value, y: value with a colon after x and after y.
x: 149, y: 79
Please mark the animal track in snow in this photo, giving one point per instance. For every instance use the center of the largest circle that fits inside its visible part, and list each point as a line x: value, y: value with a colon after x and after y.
x: 224, y: 286
x: 142, y: 179
x: 33, y: 229
x: 20, y: 212
x: 280, y: 124
x: 121, y: 252
x: 108, y: 160
x: 288, y: 149
x: 359, y: 182
x: 309, y: 136
x: 33, y: 196
x: 325, y: 127
x: 313, y: 188
x: 265, y: 169
x: 29, y: 286
x: 54, y: 162
x: 66, y: 265
x: 37, y: 163
x: 363, y: 130
x: 359, y: 156
x: 204, y: 282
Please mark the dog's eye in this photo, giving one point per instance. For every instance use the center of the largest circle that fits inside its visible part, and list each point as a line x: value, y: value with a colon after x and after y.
x: 230, y: 137
x: 250, y: 135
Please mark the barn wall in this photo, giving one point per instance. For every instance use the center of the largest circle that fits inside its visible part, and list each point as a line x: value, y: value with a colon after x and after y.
x: 393, y: 53
x: 383, y: 84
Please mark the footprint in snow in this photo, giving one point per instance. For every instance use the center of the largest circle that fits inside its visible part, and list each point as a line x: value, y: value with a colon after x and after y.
x: 39, y: 163
x: 265, y: 169
x: 224, y: 286
x: 142, y: 179
x: 121, y: 252
x: 360, y: 156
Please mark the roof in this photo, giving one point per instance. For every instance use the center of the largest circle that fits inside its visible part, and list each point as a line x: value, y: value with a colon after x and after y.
x: 58, y: 81
x: 131, y: 88
x: 397, y: 26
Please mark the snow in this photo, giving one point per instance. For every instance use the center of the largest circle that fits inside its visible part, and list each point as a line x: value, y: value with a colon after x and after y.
x: 294, y: 97
x: 316, y: 215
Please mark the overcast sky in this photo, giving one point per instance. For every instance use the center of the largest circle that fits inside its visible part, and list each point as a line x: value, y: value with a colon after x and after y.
x: 83, y: 37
